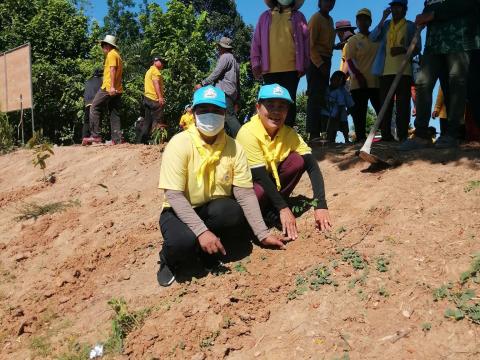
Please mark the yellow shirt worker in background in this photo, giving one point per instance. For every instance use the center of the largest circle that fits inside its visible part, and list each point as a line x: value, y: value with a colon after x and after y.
x: 187, y: 118
x: 109, y: 95
x: 360, y: 52
x: 208, y: 191
x: 278, y: 157
x: 154, y: 100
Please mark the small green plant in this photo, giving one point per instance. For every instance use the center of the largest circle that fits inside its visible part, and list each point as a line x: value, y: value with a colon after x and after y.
x: 313, y: 280
x: 472, y: 185
x: 159, y: 136
x: 353, y: 258
x: 473, y: 272
x: 239, y: 267
x: 426, y: 327
x: 341, y: 229
x: 34, y: 211
x: 209, y: 340
x: 442, y: 292
x: 42, y: 150
x: 227, y: 322
x: 40, y: 346
x: 75, y: 351
x: 123, y: 323
x: 382, y: 264
x: 303, y: 206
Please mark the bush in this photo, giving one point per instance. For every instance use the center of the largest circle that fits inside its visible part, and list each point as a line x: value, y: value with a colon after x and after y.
x: 6, y: 134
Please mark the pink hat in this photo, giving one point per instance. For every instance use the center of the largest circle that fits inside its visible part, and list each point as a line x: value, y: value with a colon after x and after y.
x: 343, y: 25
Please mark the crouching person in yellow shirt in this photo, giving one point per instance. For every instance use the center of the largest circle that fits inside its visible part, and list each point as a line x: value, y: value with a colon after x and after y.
x: 278, y: 157
x: 208, y: 191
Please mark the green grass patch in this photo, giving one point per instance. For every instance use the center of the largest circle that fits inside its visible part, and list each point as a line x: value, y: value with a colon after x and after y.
x: 34, y: 211
x: 471, y: 186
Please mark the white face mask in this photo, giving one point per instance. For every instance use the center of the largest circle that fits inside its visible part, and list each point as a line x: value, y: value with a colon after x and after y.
x: 285, y: 2
x: 210, y: 124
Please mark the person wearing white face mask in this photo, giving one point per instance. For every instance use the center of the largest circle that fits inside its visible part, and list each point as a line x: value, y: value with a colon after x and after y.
x: 208, y: 190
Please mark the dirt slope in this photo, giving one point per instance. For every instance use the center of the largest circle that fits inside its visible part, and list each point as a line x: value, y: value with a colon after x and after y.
x: 58, y: 272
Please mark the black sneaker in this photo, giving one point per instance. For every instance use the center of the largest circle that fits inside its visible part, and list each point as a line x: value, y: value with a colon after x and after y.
x: 165, y: 276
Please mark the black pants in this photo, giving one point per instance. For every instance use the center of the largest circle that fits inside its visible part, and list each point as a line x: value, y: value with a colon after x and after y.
x: 224, y: 217
x: 403, y: 98
x: 153, y: 116
x: 317, y: 83
x: 289, y: 80
x: 86, y: 122
x: 112, y: 103
x: 231, y: 122
x: 359, y: 110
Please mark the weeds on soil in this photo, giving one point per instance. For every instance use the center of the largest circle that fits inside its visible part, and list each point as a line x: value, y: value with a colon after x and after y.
x: 122, y: 324
x: 40, y: 346
x: 472, y: 185
x: 159, y: 136
x: 465, y: 302
x: 382, y: 264
x: 303, y: 206
x: 34, y: 211
x: 209, y: 340
x: 313, y: 280
x: 353, y: 258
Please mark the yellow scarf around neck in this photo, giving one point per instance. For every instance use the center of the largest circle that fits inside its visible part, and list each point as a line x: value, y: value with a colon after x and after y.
x: 210, y: 155
x: 394, y: 32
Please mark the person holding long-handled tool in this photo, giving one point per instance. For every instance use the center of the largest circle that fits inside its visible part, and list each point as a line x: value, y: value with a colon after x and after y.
x: 451, y: 35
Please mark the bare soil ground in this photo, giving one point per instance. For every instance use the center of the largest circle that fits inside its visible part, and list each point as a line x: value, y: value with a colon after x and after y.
x: 364, y: 291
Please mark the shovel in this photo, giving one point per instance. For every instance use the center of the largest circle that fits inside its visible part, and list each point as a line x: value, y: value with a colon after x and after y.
x: 365, y: 151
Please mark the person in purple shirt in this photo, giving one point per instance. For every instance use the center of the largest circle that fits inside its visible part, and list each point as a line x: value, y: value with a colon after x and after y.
x: 280, y: 51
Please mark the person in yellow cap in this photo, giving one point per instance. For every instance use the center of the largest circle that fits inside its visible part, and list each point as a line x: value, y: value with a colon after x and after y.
x: 360, y: 53
x: 109, y: 95
x: 208, y: 191
x: 278, y: 157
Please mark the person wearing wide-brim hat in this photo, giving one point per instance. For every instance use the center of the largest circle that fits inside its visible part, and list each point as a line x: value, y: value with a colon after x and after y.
x: 278, y: 157
x: 360, y: 53
x: 344, y: 31
x: 280, y: 51
x: 226, y: 76
x: 209, y: 196
x: 109, y: 95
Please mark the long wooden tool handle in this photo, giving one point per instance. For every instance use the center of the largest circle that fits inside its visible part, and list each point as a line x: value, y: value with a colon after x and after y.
x: 368, y: 143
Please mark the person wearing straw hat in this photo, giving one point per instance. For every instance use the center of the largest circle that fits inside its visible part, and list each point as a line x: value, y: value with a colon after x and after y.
x: 344, y: 31
x: 226, y: 76
x: 322, y: 40
x: 109, y: 95
x: 154, y: 100
x: 394, y: 37
x: 280, y: 51
x: 209, y: 196
x: 278, y: 157
x: 360, y: 53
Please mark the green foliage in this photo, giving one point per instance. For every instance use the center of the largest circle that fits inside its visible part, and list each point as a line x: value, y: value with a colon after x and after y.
x: 426, y: 327
x: 123, y: 323
x: 313, y: 280
x: 301, y: 122
x: 75, y: 351
x: 473, y: 272
x: 472, y: 185
x: 159, y: 136
x: 353, y: 258
x: 383, y: 292
x: 442, y: 292
x: 6, y: 134
x: 239, y: 267
x: 42, y: 150
x: 40, y: 346
x: 382, y: 264
x: 304, y: 206
x: 34, y: 211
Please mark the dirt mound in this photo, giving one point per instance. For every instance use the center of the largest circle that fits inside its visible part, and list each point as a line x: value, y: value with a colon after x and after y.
x: 370, y: 289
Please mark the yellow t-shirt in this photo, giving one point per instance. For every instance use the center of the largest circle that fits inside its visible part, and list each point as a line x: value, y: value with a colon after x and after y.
x: 254, y: 139
x: 187, y: 120
x: 322, y: 37
x: 113, y: 59
x: 181, y: 162
x: 153, y: 74
x: 281, y: 44
x: 393, y: 63
x: 362, y: 51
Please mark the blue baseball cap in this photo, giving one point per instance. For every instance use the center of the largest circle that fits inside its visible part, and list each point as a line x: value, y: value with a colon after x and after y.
x: 401, y: 2
x: 209, y: 95
x: 274, y: 91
